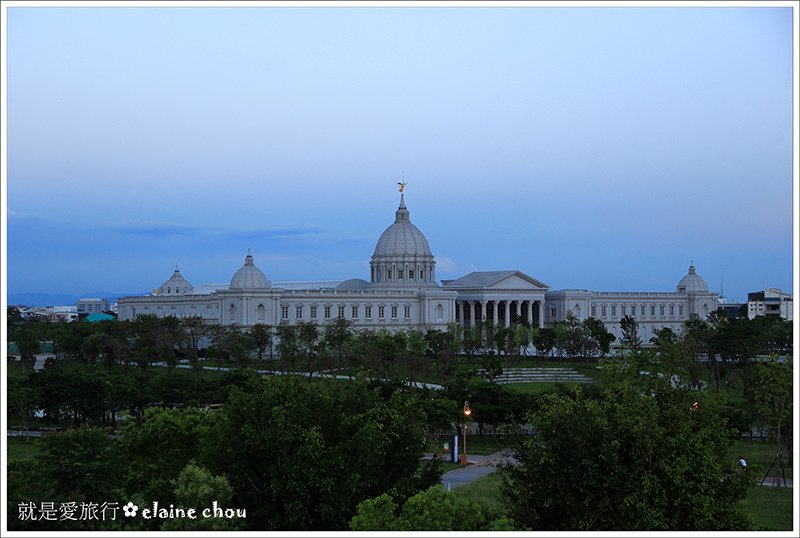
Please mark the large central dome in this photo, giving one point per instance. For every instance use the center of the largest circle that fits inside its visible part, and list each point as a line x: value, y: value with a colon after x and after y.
x: 692, y: 282
x: 402, y: 255
x: 249, y: 277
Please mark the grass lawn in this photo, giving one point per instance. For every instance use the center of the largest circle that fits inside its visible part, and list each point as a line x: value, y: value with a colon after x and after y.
x: 770, y: 507
x: 480, y: 446
x: 484, y: 491
x: 19, y: 449
x: 539, y: 387
x: 759, y: 456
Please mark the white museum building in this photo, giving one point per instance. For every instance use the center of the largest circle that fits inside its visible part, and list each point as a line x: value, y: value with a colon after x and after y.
x: 403, y: 293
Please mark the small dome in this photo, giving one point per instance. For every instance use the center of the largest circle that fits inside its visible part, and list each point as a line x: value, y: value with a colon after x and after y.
x: 402, y: 239
x: 692, y: 282
x: 353, y: 284
x: 176, y: 285
x: 249, y: 277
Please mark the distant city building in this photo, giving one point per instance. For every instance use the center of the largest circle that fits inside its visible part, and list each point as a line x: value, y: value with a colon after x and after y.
x: 61, y: 313
x: 770, y: 302
x: 733, y: 310
x: 91, y: 305
x: 403, y: 293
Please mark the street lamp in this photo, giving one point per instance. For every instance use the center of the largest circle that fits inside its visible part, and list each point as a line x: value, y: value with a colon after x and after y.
x: 467, y: 413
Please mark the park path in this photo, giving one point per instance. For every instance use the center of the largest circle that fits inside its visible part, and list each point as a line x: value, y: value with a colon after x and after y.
x: 478, y: 467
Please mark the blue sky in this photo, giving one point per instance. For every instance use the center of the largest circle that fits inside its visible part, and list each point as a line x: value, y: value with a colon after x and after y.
x: 598, y: 148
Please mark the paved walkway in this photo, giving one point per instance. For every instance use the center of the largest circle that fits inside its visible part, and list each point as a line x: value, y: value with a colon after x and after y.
x: 478, y: 466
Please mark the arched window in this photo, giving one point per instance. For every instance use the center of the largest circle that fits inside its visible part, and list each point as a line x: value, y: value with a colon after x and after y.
x: 439, y: 312
x: 232, y: 314
x: 261, y: 313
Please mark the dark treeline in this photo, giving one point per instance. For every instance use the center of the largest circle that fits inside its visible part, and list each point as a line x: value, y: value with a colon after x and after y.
x: 303, y: 453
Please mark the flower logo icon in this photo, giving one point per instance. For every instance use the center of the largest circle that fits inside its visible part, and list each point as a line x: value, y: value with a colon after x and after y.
x: 130, y: 509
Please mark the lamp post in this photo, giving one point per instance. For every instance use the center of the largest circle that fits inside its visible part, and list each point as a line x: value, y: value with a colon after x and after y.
x: 467, y: 413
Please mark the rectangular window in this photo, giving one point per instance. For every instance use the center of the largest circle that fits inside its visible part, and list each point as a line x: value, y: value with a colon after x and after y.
x: 298, y: 312
x: 613, y: 310
x: 641, y: 311
x: 388, y: 274
x: 603, y: 311
x: 400, y: 274
x: 652, y: 310
x: 394, y: 312
x: 327, y: 312
x: 624, y: 310
x: 594, y: 311
x: 355, y: 312
x: 314, y: 312
x: 341, y: 312
x: 411, y: 275
x: 284, y: 312
x: 368, y: 311
x: 553, y: 312
x: 671, y: 310
x: 381, y: 312
x: 680, y: 310
x: 661, y: 310
x: 407, y: 311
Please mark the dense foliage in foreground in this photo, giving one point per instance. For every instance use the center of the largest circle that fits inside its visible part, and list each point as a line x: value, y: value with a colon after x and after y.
x: 296, y: 455
x: 627, y: 460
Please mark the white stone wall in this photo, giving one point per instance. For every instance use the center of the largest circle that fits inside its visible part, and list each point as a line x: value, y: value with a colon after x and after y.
x: 651, y: 310
x: 394, y: 309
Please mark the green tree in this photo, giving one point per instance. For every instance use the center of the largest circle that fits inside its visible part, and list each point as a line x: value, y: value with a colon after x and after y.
x: 443, y: 347
x: 630, y: 333
x: 288, y: 346
x: 773, y: 398
x: 597, y: 337
x: 301, y: 456
x: 76, y: 465
x: 308, y: 344
x: 196, y: 488
x: 21, y: 406
x: 194, y: 329
x: 636, y: 460
x: 336, y: 339
x: 152, y: 455
x: 431, y: 510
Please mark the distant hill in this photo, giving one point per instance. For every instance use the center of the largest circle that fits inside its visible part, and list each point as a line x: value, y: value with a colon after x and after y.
x: 61, y: 299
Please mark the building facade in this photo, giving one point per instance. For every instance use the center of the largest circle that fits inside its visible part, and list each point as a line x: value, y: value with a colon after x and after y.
x: 770, y: 302
x: 91, y: 305
x: 403, y: 293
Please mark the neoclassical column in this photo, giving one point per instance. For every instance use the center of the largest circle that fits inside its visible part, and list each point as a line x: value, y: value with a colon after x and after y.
x: 472, y: 313
x: 519, y: 309
x: 541, y: 314
x: 530, y: 312
x: 507, y: 321
x: 458, y: 318
x: 494, y: 312
x: 484, y: 302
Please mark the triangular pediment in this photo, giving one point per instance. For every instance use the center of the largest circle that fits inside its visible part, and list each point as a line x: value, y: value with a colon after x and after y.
x: 518, y: 280
x: 497, y: 280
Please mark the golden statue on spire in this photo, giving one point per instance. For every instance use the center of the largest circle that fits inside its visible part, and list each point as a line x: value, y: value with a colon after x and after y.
x: 402, y: 185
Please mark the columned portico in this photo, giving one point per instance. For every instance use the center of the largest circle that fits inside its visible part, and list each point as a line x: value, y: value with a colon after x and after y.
x: 503, y: 296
